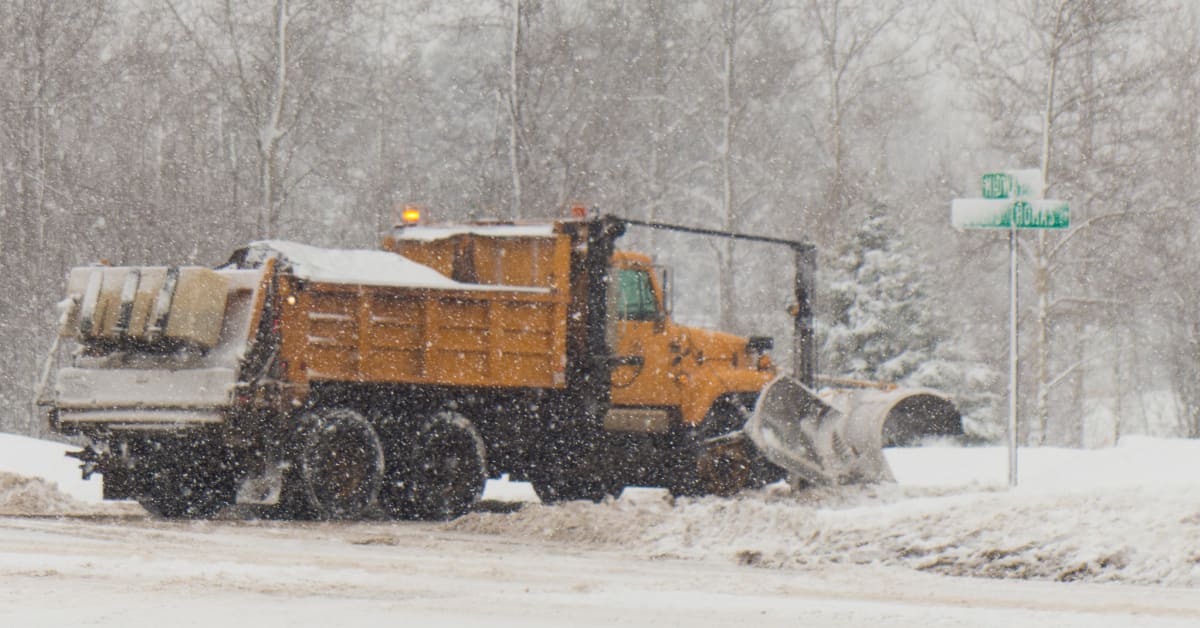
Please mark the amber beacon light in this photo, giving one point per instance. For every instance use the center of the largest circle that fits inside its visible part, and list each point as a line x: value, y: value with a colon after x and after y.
x: 410, y: 215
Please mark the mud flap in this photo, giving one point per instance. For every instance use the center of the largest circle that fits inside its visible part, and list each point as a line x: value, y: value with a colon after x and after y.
x: 813, y: 441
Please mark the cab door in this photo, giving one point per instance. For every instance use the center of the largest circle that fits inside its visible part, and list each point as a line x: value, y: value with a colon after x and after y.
x: 645, y: 373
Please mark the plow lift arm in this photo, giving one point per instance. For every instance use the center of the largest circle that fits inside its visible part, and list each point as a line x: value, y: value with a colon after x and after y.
x: 835, y: 436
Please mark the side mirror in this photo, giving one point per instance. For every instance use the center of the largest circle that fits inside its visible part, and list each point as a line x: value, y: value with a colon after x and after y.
x: 668, y: 295
x: 760, y: 344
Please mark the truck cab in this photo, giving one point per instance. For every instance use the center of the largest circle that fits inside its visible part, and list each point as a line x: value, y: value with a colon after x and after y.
x: 661, y: 365
x: 670, y: 387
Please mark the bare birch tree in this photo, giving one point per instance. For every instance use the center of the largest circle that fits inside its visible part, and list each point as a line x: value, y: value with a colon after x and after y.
x: 863, y: 65
x: 271, y: 67
x: 51, y: 74
x: 1059, y: 97
x: 1176, y: 247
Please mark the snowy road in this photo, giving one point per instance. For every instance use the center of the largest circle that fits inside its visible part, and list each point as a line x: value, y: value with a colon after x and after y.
x: 1106, y: 537
x: 139, y: 572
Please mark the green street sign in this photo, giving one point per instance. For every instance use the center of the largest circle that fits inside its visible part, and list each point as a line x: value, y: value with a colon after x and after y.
x: 1014, y: 184
x: 1011, y: 198
x: 983, y: 213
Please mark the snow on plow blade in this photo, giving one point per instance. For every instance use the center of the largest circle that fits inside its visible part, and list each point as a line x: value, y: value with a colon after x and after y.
x: 906, y: 416
x: 815, y: 442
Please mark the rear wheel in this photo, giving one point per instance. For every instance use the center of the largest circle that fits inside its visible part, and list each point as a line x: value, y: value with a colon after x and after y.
x: 339, y: 462
x: 436, y: 471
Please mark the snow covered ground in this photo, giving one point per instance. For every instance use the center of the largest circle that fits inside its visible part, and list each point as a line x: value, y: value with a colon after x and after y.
x: 1089, y: 538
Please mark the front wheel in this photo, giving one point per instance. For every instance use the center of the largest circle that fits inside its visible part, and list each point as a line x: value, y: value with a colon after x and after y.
x: 714, y: 458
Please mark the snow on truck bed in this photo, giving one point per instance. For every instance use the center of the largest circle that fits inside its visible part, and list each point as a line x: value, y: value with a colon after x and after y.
x: 430, y: 234
x: 369, y: 267
x: 1128, y: 514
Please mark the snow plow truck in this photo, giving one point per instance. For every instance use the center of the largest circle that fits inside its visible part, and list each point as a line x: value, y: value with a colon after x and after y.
x: 342, y: 384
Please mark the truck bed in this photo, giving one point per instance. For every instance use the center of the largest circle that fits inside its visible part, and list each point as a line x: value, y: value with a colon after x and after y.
x: 340, y: 332
x: 363, y: 328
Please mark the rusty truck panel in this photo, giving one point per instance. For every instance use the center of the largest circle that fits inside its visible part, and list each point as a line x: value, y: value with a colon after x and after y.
x: 395, y: 335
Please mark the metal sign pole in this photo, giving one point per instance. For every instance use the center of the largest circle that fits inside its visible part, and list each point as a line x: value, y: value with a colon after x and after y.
x: 1012, y: 354
x: 1013, y: 199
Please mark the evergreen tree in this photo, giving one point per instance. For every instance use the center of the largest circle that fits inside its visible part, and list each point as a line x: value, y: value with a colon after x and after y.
x: 879, y: 324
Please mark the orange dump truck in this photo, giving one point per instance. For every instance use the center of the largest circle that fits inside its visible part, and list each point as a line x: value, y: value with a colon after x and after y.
x: 342, y: 384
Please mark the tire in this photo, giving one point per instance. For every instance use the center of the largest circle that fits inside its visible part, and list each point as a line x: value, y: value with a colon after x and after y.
x: 340, y: 463
x: 721, y: 469
x: 435, y: 472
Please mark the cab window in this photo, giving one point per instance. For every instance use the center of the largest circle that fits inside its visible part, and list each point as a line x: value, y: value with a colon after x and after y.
x: 635, y: 296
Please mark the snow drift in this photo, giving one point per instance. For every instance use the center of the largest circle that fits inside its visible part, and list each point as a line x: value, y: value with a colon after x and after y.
x: 1129, y: 514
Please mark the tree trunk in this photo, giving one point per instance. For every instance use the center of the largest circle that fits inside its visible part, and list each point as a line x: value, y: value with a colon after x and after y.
x: 728, y: 209
x: 514, y: 109
x: 270, y: 133
x: 1042, y: 282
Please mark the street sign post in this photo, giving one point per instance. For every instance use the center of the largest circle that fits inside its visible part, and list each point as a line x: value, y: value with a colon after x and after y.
x: 1012, y: 200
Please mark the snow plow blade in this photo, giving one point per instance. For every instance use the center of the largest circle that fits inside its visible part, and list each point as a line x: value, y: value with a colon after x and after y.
x: 815, y: 442
x: 905, y: 416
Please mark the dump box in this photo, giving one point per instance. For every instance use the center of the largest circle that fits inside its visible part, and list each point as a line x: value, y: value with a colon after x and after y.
x: 376, y: 317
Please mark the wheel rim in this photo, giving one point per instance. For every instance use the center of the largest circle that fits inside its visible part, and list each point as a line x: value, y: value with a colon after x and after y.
x: 723, y: 469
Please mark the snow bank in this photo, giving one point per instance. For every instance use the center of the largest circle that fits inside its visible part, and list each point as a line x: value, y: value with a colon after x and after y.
x: 1127, y: 514
x: 20, y: 495
x: 36, y: 478
x: 34, y: 458
x: 1135, y: 461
